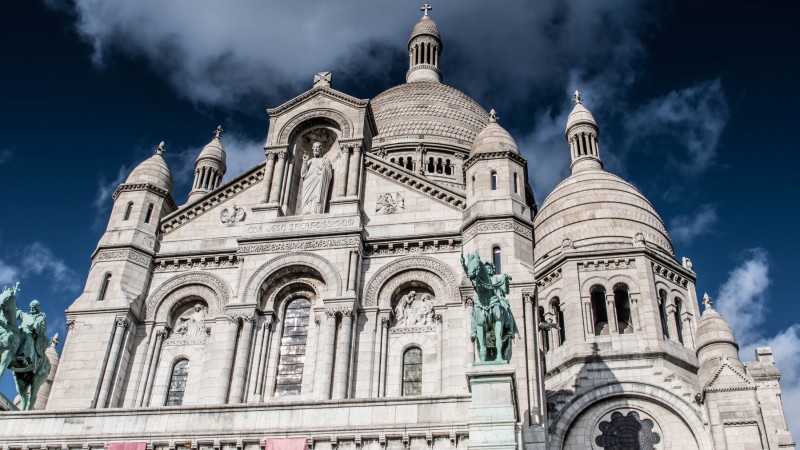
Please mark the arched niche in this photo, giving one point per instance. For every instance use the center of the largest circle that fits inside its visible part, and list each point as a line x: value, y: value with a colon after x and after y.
x: 330, y: 286
x: 211, y: 288
x: 434, y: 273
x: 412, y: 303
x: 317, y: 129
x: 288, y: 283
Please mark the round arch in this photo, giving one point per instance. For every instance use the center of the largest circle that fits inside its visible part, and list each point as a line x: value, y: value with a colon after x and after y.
x: 329, y: 273
x: 340, y: 119
x: 433, y: 272
x: 578, y: 404
x: 213, y: 289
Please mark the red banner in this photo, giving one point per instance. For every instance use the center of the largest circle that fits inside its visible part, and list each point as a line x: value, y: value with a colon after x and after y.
x: 282, y: 444
x: 127, y: 446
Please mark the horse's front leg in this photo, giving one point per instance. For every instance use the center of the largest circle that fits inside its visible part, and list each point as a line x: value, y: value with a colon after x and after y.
x: 498, y: 339
x: 481, y: 342
x: 22, y: 390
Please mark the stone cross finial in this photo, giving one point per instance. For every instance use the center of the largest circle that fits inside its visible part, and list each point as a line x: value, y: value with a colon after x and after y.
x: 576, y: 97
x: 425, y: 8
x: 493, y: 116
x: 323, y: 79
x: 707, y: 302
x: 218, y: 132
x: 161, y: 148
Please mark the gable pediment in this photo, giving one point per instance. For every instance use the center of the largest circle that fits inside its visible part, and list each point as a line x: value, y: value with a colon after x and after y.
x: 728, y: 377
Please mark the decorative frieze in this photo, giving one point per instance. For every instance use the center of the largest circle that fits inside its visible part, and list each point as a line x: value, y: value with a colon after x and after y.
x: 301, y: 226
x: 607, y: 264
x: 302, y: 244
x: 196, y: 262
x: 123, y: 255
x: 191, y: 211
x: 496, y: 226
x: 670, y: 275
x: 415, y: 182
x: 549, y: 279
x: 410, y: 247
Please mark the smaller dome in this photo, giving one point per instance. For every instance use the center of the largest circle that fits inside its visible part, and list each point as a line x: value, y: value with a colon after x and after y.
x: 712, y: 328
x: 425, y: 26
x: 213, y: 150
x: 153, y: 171
x: 580, y: 115
x: 493, y: 138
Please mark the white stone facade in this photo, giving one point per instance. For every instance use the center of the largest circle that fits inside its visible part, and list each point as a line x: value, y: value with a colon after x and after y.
x: 234, y: 317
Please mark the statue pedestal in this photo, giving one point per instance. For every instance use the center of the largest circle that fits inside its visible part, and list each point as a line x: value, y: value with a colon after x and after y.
x: 493, y: 414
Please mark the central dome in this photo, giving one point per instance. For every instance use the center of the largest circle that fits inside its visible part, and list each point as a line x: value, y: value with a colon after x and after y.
x: 429, y: 111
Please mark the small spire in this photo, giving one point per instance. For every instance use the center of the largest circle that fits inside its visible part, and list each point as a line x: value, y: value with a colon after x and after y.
x: 576, y: 97
x: 425, y: 8
x: 161, y: 148
x: 493, y: 116
x: 707, y: 302
x: 218, y: 132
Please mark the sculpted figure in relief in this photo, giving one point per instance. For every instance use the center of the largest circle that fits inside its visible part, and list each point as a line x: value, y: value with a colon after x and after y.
x: 195, y: 324
x: 316, y: 174
x: 414, y: 310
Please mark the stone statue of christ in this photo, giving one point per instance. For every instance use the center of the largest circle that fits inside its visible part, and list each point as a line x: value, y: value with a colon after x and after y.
x: 316, y: 173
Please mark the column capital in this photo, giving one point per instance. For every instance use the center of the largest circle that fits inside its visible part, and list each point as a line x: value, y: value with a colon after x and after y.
x: 248, y: 318
x: 270, y: 154
x: 469, y: 302
x: 385, y: 322
x: 232, y: 318
x: 281, y: 154
x: 345, y: 147
x: 161, y: 334
x: 123, y: 322
x: 527, y: 297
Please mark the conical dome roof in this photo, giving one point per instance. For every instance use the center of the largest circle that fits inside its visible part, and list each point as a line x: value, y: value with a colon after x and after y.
x: 580, y: 115
x: 425, y: 26
x: 153, y: 170
x: 213, y: 150
x: 493, y: 138
x: 712, y: 328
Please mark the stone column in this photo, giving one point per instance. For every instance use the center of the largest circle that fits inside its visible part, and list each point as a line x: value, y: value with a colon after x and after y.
x: 688, y: 335
x: 531, y: 350
x: 344, y: 166
x: 354, y: 171
x: 342, y: 369
x: 150, y: 379
x: 121, y: 325
x: 263, y: 357
x: 328, y: 347
x: 226, y: 355
x: 611, y: 313
x: 352, y: 270
x: 148, y: 361
x: 381, y: 369
x: 588, y: 319
x: 671, y: 324
x: 268, y: 169
x: 470, y: 306
x: 277, y: 178
x: 242, y: 357
x: 637, y: 324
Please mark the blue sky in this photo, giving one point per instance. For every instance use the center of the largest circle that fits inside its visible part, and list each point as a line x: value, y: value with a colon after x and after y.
x: 695, y: 101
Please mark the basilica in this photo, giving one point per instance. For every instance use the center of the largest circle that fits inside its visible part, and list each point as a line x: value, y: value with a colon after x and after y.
x: 318, y: 301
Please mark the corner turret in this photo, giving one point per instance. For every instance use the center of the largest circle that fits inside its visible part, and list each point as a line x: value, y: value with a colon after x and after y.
x: 209, y: 167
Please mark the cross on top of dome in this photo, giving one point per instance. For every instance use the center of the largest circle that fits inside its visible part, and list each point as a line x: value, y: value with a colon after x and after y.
x: 493, y: 116
x: 707, y: 302
x: 161, y: 148
x: 576, y: 97
x: 218, y: 132
x: 425, y: 8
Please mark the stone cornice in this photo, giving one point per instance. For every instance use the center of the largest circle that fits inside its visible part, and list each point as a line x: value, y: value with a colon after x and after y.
x: 415, y: 182
x: 495, y: 155
x: 136, y: 256
x: 313, y: 92
x: 146, y: 187
x: 190, y: 211
x: 566, y: 363
x: 559, y: 260
x: 394, y: 247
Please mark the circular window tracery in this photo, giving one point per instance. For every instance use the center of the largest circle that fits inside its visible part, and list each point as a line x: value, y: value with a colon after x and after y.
x: 627, y: 432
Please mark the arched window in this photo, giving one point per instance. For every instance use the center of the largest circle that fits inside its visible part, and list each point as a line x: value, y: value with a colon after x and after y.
x: 177, y: 383
x: 292, y: 355
x: 556, y: 307
x: 494, y: 180
x: 544, y: 333
x: 448, y: 168
x: 662, y: 311
x: 104, y: 287
x: 431, y: 165
x: 149, y: 213
x: 391, y: 160
x: 622, y: 305
x: 439, y: 166
x: 678, y: 325
x: 412, y: 371
x: 128, y: 210
x: 516, y: 183
x: 599, y: 312
x: 496, y: 259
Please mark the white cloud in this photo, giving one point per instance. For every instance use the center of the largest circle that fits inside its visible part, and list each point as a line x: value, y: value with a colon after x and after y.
x: 686, y: 228
x: 742, y: 301
x: 8, y: 274
x: 694, y: 117
x: 742, y: 298
x: 232, y: 53
x: 37, y: 259
x: 102, y: 201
